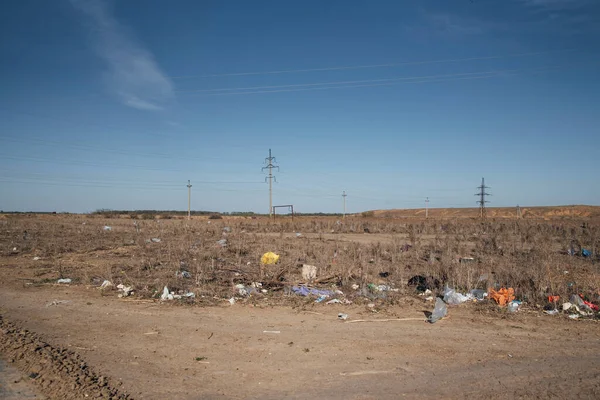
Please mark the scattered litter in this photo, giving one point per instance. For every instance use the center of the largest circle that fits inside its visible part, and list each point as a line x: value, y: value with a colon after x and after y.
x: 321, y: 298
x: 503, y: 296
x: 453, y: 297
x: 298, y: 234
x: 309, y: 272
x: 36, y: 258
x: 305, y: 291
x: 423, y: 283
x: 342, y: 316
x: 580, y: 303
x: 553, y: 299
x: 232, y: 301
x: 183, y: 274
x: 126, y: 290
x: 107, y: 228
x: 478, y: 294
x: 551, y: 312
x: 222, y: 242
x: 514, y: 305
x: 106, y: 284
x: 334, y: 301
x: 190, y: 295
x: 166, y: 295
x: 355, y: 286
x: 371, y: 305
x: 573, y: 316
x: 466, y: 260
x: 57, y: 302
x: 65, y: 280
x: 151, y: 333
x: 384, y: 274
x: 440, y: 310
x: 256, y: 285
x: 155, y: 240
x: 227, y: 229
x: 586, y: 253
x: 566, y: 306
x: 269, y: 258
x: 271, y: 331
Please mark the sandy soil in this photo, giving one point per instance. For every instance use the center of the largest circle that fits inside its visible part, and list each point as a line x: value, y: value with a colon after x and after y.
x: 15, y: 386
x: 151, y: 350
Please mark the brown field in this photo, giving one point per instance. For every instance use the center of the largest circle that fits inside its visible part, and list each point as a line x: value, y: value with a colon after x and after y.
x: 76, y: 340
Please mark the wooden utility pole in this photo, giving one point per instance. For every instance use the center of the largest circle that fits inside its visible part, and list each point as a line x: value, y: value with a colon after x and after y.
x: 344, y: 195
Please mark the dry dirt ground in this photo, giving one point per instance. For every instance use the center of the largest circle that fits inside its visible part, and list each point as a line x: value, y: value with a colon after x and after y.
x: 111, y: 347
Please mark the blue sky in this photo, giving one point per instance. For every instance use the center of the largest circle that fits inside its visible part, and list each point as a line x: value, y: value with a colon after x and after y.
x: 116, y: 104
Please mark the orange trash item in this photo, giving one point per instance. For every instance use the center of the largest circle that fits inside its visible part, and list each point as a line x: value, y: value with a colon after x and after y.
x: 503, y: 296
x: 553, y: 299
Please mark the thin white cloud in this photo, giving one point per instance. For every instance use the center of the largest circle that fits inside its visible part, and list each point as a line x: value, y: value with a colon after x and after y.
x: 133, y: 74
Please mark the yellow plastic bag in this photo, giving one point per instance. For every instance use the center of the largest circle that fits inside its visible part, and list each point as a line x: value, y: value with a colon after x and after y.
x: 269, y: 258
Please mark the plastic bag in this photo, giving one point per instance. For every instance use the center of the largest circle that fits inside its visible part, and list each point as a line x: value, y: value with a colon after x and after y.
x: 454, y: 298
x: 440, y: 310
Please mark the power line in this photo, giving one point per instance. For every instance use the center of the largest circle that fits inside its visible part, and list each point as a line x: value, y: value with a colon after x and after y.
x: 419, y: 77
x: 392, y: 83
x: 339, y: 68
x: 482, y: 193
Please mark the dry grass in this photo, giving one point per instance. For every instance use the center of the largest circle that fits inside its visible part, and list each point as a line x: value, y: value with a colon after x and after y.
x: 527, y: 255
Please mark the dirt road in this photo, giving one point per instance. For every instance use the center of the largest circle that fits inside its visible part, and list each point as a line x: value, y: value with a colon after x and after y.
x: 165, y: 351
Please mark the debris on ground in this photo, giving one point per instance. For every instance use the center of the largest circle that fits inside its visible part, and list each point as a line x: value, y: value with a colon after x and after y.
x: 440, y: 310
x: 166, y: 295
x: 222, y: 242
x: 551, y: 312
x: 454, y: 298
x: 107, y: 228
x: 125, y: 290
x: 478, y: 294
x: 305, y: 291
x: 342, y: 316
x: 227, y: 229
x: 423, y: 283
x: 269, y: 258
x: 586, y: 253
x: 502, y: 296
x: 106, y: 284
x: 183, y: 274
x: 244, y: 290
x: 64, y: 280
x: 309, y: 272
x: 155, y: 240
x: 514, y: 306
x: 232, y: 301
x: 57, y: 302
x: 271, y: 331
x: 36, y: 258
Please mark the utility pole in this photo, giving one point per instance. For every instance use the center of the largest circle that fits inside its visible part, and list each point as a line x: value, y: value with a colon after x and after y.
x: 518, y: 212
x: 269, y: 161
x: 189, y: 186
x: 344, y: 195
x: 426, y: 207
x: 482, y: 193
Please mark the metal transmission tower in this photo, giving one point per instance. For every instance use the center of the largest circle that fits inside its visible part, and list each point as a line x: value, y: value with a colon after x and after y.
x: 344, y: 195
x: 482, y: 193
x: 189, y: 186
x: 269, y: 161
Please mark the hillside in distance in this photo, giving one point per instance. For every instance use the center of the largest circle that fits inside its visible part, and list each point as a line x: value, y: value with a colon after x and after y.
x: 546, y: 212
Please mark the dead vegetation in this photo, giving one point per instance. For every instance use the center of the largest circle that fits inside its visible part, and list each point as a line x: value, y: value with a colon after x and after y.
x: 530, y: 256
